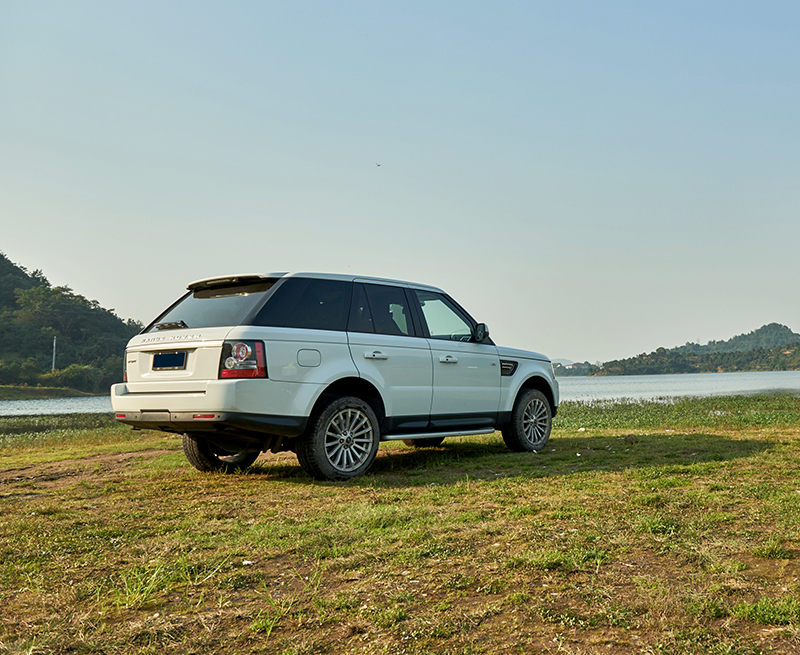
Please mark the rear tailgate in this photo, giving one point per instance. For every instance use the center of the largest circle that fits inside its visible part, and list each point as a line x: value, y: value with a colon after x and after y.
x: 188, y: 355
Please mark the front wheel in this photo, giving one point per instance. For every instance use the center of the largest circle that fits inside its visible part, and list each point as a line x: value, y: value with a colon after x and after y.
x: 343, y: 441
x: 531, y: 422
x: 206, y: 456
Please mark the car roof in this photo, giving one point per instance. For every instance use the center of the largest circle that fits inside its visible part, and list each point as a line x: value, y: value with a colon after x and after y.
x: 254, y: 278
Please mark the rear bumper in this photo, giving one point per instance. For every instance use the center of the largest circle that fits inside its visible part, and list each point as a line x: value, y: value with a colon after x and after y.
x: 261, y: 405
x: 233, y: 423
x: 228, y: 412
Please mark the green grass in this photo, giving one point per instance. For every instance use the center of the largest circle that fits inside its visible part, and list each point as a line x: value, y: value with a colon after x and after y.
x: 20, y: 431
x: 771, y: 611
x: 25, y: 439
x: 682, y: 413
x: 682, y: 540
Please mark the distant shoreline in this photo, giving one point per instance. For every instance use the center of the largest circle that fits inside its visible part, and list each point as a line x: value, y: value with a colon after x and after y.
x: 22, y: 392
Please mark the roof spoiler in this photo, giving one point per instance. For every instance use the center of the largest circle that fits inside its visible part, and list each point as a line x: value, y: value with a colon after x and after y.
x: 230, y: 281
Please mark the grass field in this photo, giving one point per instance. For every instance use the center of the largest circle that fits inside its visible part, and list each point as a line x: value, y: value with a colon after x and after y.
x: 653, y: 528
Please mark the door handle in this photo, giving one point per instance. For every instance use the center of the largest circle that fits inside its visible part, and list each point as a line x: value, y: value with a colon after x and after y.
x: 375, y: 354
x: 448, y: 359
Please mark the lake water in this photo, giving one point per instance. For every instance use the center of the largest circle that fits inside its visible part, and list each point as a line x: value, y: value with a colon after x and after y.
x: 637, y: 387
x: 646, y: 387
x: 84, y: 404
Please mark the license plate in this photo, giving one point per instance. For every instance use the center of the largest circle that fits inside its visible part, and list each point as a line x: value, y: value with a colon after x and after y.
x: 169, y: 361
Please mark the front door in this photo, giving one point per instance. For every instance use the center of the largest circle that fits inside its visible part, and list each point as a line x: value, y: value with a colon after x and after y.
x: 466, y: 375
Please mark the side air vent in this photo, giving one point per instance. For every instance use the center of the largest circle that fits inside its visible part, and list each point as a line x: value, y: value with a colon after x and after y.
x: 508, y: 367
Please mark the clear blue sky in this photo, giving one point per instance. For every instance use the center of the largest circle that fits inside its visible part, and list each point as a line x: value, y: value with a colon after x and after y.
x: 593, y: 180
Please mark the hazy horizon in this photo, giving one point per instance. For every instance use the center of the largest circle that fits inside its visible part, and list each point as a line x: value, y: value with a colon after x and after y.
x: 555, y: 359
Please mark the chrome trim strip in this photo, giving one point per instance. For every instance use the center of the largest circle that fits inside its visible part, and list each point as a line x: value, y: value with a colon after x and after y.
x: 432, y: 435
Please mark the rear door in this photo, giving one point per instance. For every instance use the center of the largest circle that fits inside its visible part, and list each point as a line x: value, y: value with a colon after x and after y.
x: 183, y: 345
x: 387, y: 351
x: 187, y: 355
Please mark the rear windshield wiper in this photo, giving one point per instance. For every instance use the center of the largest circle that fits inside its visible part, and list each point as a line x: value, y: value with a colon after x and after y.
x: 175, y: 325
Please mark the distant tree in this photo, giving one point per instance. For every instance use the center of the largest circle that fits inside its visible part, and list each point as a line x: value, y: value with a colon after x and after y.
x: 90, y: 338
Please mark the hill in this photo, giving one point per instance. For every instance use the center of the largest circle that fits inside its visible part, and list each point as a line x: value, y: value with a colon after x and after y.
x: 767, y: 336
x: 90, y: 340
x: 773, y: 347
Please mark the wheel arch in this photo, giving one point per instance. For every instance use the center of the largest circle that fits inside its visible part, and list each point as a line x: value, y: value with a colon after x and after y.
x: 351, y: 386
x: 539, y: 383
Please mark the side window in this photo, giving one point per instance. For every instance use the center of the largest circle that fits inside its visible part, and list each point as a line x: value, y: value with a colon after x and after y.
x: 389, y: 309
x: 360, y: 315
x: 308, y: 303
x: 443, y: 319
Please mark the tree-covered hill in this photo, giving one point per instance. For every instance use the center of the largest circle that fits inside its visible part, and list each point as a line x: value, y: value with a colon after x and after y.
x: 779, y: 358
x: 767, y: 336
x: 773, y: 347
x: 90, y: 340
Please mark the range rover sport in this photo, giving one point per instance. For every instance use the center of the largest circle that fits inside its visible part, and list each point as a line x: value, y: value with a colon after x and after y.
x: 326, y: 366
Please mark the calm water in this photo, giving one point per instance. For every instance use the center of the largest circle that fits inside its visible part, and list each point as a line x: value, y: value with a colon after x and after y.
x: 645, y: 387
x: 597, y: 388
x: 85, y: 404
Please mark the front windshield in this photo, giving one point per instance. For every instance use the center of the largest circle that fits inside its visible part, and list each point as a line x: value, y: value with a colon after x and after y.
x: 213, y: 307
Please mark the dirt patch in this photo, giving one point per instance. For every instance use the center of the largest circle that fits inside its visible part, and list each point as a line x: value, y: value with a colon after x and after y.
x: 783, y: 572
x: 69, y: 471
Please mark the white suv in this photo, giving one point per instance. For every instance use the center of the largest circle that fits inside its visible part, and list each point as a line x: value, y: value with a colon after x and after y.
x: 327, y: 366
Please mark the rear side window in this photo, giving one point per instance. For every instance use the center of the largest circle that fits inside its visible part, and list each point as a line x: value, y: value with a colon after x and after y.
x: 360, y: 314
x: 213, y: 307
x: 308, y: 303
x: 388, y: 309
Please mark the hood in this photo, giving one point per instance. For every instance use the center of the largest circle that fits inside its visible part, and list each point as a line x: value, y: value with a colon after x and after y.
x: 521, y: 354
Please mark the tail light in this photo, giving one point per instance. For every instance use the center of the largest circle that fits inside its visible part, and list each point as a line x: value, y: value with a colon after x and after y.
x: 243, y: 359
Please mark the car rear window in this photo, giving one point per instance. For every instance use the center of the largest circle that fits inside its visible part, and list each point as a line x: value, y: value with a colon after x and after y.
x: 213, y: 307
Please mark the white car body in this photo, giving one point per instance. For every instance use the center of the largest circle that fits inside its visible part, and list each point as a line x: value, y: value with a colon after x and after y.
x: 420, y: 386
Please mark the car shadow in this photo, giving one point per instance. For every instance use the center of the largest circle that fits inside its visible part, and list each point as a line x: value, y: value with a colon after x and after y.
x: 489, y: 459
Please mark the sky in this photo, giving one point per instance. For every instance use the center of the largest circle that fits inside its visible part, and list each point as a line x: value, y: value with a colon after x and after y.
x: 592, y: 180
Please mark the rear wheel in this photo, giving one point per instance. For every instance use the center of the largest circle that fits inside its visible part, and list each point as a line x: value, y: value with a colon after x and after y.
x: 531, y: 422
x: 206, y: 456
x: 431, y: 442
x: 343, y: 441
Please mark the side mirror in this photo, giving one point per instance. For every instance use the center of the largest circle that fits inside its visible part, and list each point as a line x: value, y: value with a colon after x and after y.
x: 481, y: 333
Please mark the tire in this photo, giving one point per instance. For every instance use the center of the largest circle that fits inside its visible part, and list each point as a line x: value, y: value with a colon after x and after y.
x: 205, y: 456
x: 431, y: 442
x: 531, y: 422
x: 342, y: 442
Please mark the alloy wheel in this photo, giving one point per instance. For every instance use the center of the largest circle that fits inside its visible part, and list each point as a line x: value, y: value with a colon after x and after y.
x: 348, y: 439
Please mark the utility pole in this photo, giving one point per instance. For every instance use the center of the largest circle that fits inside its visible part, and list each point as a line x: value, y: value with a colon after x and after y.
x: 53, y: 367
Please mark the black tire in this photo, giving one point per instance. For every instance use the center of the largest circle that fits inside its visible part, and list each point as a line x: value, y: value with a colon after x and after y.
x: 205, y: 456
x: 430, y: 442
x: 342, y: 442
x: 531, y: 422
